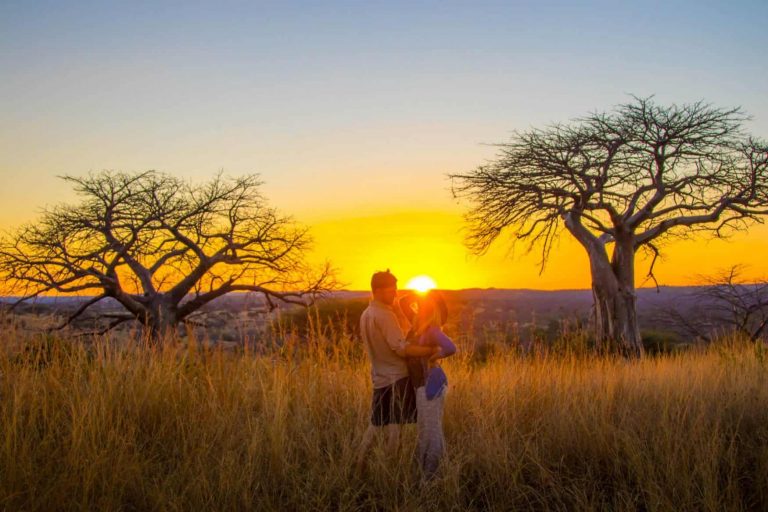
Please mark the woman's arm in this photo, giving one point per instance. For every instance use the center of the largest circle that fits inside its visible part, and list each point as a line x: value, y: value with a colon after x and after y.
x: 446, y: 345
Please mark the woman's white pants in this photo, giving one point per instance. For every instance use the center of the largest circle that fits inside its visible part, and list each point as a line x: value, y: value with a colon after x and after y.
x: 431, y: 442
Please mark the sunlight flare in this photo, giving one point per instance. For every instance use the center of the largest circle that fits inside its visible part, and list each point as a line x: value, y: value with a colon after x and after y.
x: 421, y: 284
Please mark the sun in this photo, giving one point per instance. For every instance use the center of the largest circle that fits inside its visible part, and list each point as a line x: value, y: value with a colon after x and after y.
x: 421, y: 284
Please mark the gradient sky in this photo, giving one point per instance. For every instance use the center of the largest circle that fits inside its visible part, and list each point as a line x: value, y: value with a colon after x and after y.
x: 353, y: 112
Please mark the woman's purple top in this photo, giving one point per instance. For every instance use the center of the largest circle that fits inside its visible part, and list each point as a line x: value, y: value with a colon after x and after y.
x: 434, y: 336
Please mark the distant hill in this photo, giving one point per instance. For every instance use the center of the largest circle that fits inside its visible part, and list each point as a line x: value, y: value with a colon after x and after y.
x: 524, y: 302
x: 546, y: 303
x: 469, y: 307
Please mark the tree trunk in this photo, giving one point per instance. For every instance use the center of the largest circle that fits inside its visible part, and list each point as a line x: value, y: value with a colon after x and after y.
x: 616, y: 324
x: 615, y: 308
x: 613, y: 289
x: 162, y: 319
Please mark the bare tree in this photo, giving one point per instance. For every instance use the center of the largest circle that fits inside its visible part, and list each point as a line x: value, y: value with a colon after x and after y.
x: 161, y: 247
x: 741, y: 305
x: 727, y: 301
x: 620, y: 182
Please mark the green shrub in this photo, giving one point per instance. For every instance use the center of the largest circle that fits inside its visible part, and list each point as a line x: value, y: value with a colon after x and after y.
x: 662, y: 342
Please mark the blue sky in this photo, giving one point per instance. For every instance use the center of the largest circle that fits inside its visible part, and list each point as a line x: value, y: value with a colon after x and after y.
x: 318, y: 95
x: 354, y: 110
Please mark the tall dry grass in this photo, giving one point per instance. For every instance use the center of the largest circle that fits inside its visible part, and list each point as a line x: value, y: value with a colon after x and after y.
x: 91, y: 425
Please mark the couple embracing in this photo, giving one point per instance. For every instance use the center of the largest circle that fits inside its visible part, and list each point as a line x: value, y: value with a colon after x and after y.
x: 404, y: 340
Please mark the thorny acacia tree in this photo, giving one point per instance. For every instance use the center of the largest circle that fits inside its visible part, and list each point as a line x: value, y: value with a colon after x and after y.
x: 620, y: 182
x: 161, y: 247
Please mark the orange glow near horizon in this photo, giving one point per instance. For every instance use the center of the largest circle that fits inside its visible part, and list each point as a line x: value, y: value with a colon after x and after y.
x: 416, y: 243
x: 413, y: 243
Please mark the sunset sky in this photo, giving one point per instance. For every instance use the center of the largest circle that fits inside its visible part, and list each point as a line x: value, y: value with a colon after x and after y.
x: 354, y: 112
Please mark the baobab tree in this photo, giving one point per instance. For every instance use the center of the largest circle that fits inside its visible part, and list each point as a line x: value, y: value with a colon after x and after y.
x: 161, y: 247
x: 620, y: 182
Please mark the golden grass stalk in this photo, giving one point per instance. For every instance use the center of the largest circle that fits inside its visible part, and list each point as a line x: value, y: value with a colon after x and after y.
x: 97, y: 425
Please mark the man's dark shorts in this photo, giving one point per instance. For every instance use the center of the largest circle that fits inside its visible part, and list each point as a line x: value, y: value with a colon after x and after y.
x: 395, y: 404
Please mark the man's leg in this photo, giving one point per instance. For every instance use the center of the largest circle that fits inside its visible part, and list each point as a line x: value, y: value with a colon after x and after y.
x: 393, y: 438
x: 365, y: 446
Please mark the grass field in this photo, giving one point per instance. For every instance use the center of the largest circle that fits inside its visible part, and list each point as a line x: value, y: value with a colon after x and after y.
x: 93, y: 425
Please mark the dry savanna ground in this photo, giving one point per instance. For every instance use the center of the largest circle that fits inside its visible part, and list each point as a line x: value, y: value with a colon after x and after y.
x: 92, y: 424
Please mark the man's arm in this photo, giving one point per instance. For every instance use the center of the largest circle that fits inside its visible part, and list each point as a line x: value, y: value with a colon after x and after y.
x: 412, y: 350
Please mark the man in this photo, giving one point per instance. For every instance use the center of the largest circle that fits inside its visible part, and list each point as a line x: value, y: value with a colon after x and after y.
x: 382, y: 327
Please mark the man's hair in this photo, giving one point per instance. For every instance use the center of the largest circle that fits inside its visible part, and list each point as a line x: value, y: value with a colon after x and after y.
x: 383, y: 280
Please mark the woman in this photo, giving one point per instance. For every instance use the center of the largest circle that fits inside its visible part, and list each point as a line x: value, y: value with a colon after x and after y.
x: 429, y: 379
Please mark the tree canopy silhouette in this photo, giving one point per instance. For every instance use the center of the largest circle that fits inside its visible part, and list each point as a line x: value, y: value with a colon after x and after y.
x: 620, y: 182
x: 161, y: 247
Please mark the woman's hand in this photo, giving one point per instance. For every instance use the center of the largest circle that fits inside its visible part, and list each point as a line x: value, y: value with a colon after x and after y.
x: 437, y: 353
